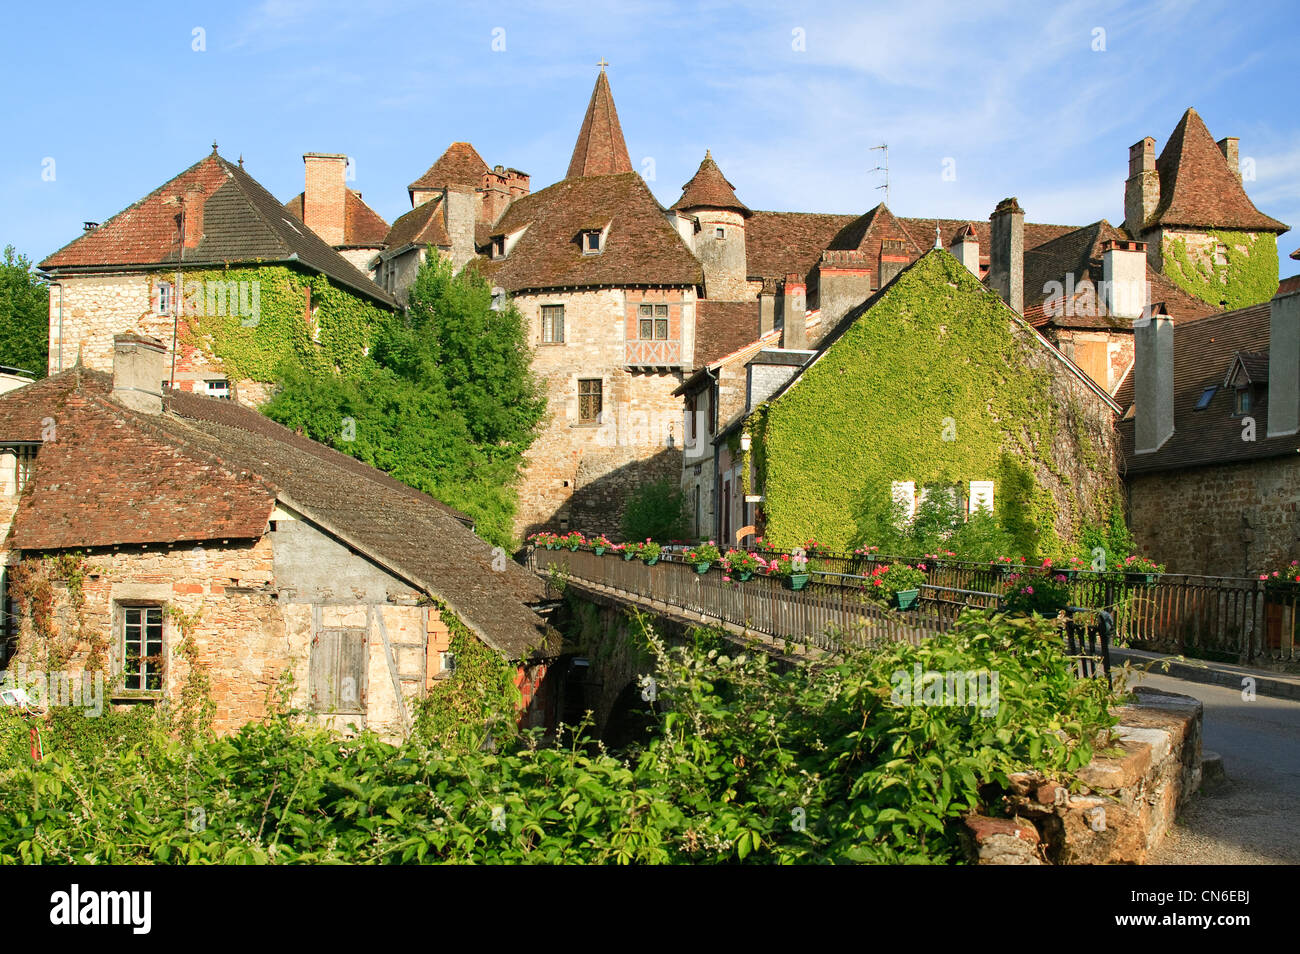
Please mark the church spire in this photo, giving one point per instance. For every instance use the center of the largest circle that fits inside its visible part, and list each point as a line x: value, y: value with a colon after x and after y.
x: 600, y: 150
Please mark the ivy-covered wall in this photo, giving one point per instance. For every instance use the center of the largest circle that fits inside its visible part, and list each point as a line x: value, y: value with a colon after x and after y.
x: 1248, y: 277
x: 249, y: 343
x: 937, y: 383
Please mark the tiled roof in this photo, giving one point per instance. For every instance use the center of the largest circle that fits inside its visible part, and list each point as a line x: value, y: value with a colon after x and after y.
x: 783, y: 243
x: 363, y: 227
x: 423, y: 225
x: 641, y: 248
x: 709, y: 189
x: 722, y: 327
x: 1296, y: 254
x: 788, y: 243
x: 460, y: 165
x: 1197, y: 186
x: 210, y: 469
x: 1078, y: 253
x: 1203, y: 352
x: 600, y: 149
x: 242, y: 224
x: 867, y: 231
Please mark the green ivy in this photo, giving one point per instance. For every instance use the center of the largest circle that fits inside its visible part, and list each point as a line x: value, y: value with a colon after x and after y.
x: 873, y: 410
x: 335, y: 335
x: 1248, y: 278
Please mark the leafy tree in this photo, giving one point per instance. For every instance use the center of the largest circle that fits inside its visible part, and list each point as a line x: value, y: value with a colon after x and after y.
x: 656, y: 510
x: 446, y: 402
x: 24, y: 315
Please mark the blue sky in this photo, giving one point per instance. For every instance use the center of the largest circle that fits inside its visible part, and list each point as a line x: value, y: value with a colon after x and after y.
x: 1015, y: 95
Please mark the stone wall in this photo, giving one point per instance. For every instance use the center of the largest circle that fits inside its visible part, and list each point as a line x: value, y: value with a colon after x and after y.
x: 260, y: 606
x: 723, y: 259
x: 1226, y: 520
x: 1117, y: 809
x: 579, y: 474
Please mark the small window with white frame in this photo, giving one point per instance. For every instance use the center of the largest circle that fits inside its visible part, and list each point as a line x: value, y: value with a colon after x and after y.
x: 142, y: 648
x: 217, y: 388
x: 164, y: 298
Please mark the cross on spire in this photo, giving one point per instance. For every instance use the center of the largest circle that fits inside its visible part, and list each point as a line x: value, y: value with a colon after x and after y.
x: 214, y: 147
x: 602, y: 64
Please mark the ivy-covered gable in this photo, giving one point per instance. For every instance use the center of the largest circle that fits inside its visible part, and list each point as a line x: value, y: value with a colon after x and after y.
x: 935, y: 382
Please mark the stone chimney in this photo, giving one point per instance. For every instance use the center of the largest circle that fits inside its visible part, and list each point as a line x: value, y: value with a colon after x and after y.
x: 460, y: 208
x: 766, y: 312
x: 139, y: 369
x: 843, y: 283
x: 1228, y: 146
x: 192, y: 215
x: 965, y: 248
x: 1142, y: 190
x: 1124, y: 278
x: 893, y: 259
x: 324, y: 196
x: 794, y: 313
x: 1007, y: 253
x: 1153, y: 383
x: 1284, y: 365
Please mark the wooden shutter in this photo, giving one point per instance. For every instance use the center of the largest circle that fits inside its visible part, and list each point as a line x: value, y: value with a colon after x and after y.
x: 338, y: 670
x: 1092, y: 359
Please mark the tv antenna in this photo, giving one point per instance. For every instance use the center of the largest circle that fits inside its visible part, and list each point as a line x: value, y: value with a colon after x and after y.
x: 884, y: 146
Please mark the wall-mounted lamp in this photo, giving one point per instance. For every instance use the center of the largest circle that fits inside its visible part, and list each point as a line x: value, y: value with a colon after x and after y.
x: 745, y: 442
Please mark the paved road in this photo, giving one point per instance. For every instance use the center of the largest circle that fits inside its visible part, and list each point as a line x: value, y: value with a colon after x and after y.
x: 1255, y: 818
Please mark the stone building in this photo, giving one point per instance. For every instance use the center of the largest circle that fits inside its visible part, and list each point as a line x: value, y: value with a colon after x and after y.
x: 169, y: 261
x: 1209, y: 440
x: 175, y: 530
x: 933, y: 384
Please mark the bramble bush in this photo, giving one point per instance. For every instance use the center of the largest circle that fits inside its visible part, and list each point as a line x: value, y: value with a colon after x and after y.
x: 745, y: 764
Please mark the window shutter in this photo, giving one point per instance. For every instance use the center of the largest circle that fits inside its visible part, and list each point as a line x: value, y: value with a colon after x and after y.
x: 981, y: 495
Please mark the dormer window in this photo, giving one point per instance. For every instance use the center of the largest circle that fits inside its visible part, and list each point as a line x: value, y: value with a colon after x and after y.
x: 1244, y: 400
x: 591, y: 242
x: 499, y: 246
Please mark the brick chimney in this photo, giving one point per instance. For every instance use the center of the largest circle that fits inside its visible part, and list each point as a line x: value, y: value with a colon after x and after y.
x: 1007, y: 253
x: 192, y: 215
x: 139, y: 369
x: 794, y: 313
x: 324, y: 195
x: 1142, y: 190
x: 1124, y: 278
x: 1284, y: 364
x: 1153, y: 383
x: 965, y: 248
x: 1228, y: 146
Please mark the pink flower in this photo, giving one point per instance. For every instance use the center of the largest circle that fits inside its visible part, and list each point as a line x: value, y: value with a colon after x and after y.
x: 1029, y: 590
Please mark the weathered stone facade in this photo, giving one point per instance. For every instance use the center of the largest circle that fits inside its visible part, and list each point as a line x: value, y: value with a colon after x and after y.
x: 1234, y: 519
x: 578, y: 473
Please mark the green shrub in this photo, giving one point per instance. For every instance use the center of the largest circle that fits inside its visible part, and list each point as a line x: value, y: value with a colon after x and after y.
x: 656, y: 511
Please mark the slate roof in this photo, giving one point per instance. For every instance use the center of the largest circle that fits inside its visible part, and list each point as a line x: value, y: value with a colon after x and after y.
x: 242, y: 224
x: 709, y: 189
x: 211, y: 469
x: 722, y: 327
x: 641, y: 248
x: 1197, y: 186
x: 460, y: 166
x: 423, y: 225
x: 1204, y: 350
x: 600, y: 149
x: 363, y: 227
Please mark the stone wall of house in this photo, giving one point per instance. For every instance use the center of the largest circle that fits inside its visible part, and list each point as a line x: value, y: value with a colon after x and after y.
x: 1226, y: 520
x: 260, y: 606
x: 360, y: 258
x: 580, y: 474
x: 97, y: 307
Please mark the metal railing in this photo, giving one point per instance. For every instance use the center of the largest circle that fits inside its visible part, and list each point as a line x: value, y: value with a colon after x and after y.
x: 830, y: 613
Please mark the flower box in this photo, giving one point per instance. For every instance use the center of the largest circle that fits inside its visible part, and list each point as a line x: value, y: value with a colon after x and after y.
x: 598, y: 550
x: 743, y: 575
x: 651, y: 560
x: 1136, y: 577
x: 906, y: 599
x: 702, y: 568
x: 797, y: 581
x: 629, y: 554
